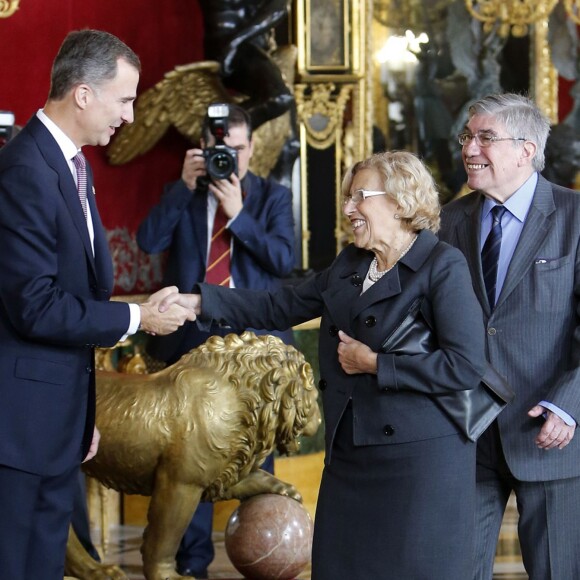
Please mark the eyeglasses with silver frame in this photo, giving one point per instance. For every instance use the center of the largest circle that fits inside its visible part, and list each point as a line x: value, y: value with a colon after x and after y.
x: 359, y: 195
x: 484, y: 138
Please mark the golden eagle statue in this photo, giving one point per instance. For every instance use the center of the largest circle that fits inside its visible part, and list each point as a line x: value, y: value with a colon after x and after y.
x: 181, y: 99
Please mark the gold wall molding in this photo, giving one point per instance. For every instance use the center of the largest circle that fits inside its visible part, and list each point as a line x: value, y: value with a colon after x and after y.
x: 543, y: 74
x: 573, y: 10
x: 513, y: 16
x: 321, y: 110
x: 8, y: 7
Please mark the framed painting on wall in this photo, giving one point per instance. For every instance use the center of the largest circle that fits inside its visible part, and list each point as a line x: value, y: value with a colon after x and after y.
x: 327, y: 35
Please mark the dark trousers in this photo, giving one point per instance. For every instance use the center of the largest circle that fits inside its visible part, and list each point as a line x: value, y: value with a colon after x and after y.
x: 548, y: 511
x: 35, y: 513
x: 80, y: 518
x: 196, y: 551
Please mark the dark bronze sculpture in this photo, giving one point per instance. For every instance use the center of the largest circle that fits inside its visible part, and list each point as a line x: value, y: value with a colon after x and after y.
x: 238, y: 35
x: 562, y: 155
x: 245, y: 66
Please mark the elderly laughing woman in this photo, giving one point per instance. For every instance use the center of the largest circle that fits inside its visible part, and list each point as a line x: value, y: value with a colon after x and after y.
x: 397, y: 494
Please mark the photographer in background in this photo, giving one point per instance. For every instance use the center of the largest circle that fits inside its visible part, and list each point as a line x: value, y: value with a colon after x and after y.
x: 233, y: 229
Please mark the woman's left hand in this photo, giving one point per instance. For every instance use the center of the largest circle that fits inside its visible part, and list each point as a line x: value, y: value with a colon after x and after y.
x: 355, y: 357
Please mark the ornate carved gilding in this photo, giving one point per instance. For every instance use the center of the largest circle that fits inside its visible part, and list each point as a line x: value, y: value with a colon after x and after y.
x: 8, y: 7
x: 544, y: 77
x: 321, y: 108
x: 513, y: 16
x: 573, y: 10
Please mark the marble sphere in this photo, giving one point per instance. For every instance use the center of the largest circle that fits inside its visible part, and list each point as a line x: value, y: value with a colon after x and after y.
x: 269, y: 537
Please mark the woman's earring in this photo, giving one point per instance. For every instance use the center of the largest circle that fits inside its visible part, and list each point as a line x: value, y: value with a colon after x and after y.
x: 397, y: 216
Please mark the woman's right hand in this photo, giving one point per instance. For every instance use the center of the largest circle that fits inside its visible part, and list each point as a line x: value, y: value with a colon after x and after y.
x: 355, y: 357
x: 189, y: 301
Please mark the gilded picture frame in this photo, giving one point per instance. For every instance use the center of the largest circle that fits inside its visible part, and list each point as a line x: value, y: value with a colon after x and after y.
x: 327, y: 33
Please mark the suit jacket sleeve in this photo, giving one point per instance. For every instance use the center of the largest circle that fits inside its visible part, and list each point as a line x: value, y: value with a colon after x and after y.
x: 269, y: 239
x: 155, y: 234
x: 241, y: 308
x: 565, y: 393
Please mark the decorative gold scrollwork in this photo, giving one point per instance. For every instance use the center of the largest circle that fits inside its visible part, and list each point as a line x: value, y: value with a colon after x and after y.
x: 513, y: 16
x: 321, y: 111
x: 573, y: 10
x: 8, y: 7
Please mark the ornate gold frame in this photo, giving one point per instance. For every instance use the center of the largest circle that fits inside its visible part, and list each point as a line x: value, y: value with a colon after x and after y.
x: 544, y: 77
x: 324, y: 93
x: 327, y: 41
x: 8, y: 7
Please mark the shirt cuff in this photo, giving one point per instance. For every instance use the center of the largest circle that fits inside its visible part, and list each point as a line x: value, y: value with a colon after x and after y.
x: 135, y: 321
x: 568, y: 419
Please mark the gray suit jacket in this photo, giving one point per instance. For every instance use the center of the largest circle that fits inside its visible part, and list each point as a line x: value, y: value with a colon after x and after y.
x: 533, y: 334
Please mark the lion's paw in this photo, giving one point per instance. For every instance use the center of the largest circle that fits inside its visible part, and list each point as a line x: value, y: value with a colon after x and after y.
x: 114, y: 572
x: 288, y: 491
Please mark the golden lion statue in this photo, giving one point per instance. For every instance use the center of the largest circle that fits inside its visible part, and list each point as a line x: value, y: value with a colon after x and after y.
x: 199, y: 430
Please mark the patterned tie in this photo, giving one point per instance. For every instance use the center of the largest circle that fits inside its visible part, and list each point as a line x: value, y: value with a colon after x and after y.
x: 490, y: 253
x: 218, y: 264
x: 81, y: 166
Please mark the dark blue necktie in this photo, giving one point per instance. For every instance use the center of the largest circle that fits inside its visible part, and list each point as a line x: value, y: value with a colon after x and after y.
x: 490, y: 253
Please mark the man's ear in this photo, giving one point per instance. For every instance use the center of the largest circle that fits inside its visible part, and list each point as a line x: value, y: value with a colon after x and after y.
x: 528, y: 153
x: 82, y: 95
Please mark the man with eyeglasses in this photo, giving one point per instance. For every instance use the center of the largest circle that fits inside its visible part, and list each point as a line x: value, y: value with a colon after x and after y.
x: 521, y: 237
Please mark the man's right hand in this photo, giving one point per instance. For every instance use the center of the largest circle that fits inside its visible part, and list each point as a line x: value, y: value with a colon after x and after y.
x: 191, y: 302
x: 193, y: 167
x: 157, y: 321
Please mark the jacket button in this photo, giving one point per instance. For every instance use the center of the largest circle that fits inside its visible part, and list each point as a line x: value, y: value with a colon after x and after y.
x: 322, y: 384
x: 370, y: 321
x: 333, y: 330
x: 491, y: 331
x: 356, y: 280
x: 388, y: 430
x: 89, y: 370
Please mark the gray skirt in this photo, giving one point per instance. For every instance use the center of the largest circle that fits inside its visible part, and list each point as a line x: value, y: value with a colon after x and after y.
x: 395, y: 512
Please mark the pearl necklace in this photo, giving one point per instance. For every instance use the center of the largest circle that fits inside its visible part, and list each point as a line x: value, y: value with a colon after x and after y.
x: 375, y: 274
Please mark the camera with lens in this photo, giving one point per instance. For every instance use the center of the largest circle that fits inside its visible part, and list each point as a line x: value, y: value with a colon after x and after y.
x: 220, y: 160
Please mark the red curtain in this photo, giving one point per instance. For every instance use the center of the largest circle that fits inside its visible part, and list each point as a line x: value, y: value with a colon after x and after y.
x: 163, y: 34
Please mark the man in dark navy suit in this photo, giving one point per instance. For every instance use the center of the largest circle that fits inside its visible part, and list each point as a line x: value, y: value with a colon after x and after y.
x: 261, y: 232
x: 55, y: 286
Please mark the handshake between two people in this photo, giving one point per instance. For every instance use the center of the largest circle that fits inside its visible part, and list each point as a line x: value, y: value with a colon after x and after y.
x: 167, y: 310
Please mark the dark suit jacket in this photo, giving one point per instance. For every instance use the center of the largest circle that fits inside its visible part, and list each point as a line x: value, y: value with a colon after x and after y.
x: 392, y: 407
x: 263, y: 245
x: 533, y: 334
x: 54, y: 307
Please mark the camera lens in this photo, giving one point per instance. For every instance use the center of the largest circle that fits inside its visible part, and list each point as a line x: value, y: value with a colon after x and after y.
x: 221, y: 165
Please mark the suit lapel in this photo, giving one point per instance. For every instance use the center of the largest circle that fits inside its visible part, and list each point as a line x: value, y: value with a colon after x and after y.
x: 55, y: 159
x: 391, y: 285
x: 101, y: 262
x: 468, y: 234
x: 198, y: 213
x: 534, y: 232
x: 340, y: 299
x: 381, y: 290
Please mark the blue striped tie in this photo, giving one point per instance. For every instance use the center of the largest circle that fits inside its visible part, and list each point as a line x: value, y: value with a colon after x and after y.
x: 490, y: 253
